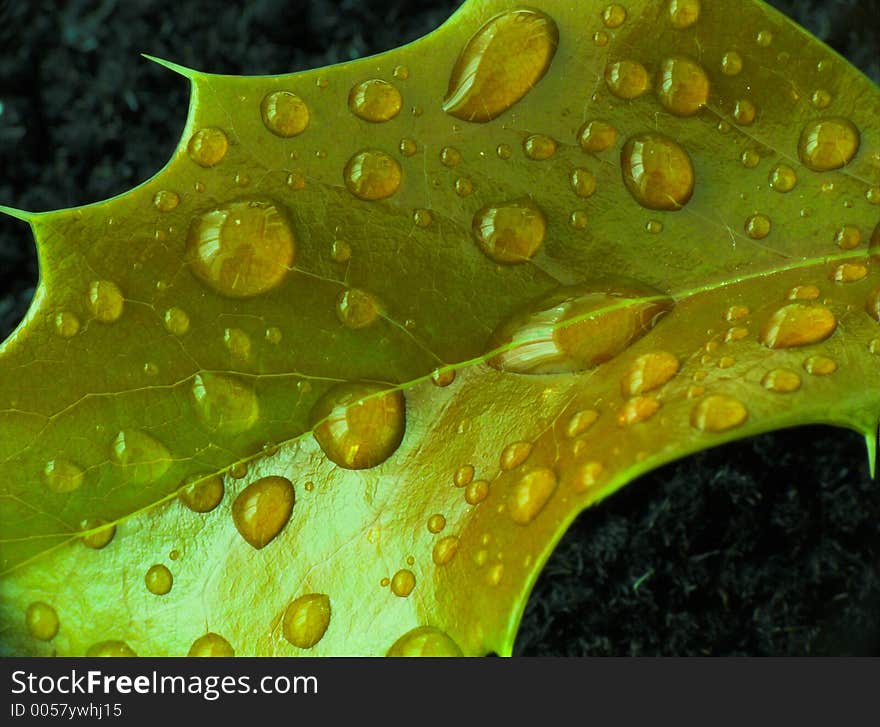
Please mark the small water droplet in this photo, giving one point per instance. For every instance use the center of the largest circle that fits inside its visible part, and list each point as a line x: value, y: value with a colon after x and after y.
x: 798, y: 324
x: 782, y: 178
x: 514, y: 455
x: 614, y: 16
x: 356, y: 308
x: 583, y: 182
x: 424, y: 641
x: 648, y: 372
x: 225, y: 404
x: 66, y: 324
x: 422, y: 218
x: 736, y: 334
x: 638, y: 410
x: 655, y: 227
x: 601, y: 38
x: 211, y: 645
x: 285, y: 114
x: 531, y: 493
x: 848, y: 237
x: 359, y: 425
x: 237, y: 342
x: 804, y: 292
x: 512, y: 232
x: 200, y: 493
x: 372, y: 175
x: 306, y: 620
x: 403, y: 582
x: 504, y: 151
x: 597, y: 136
x: 436, y: 523
x: 580, y: 422
x: 143, y: 458
x: 443, y: 377
x: 273, y: 335
x: 587, y: 476
x: 500, y: 64
x: 827, y: 144
x: 758, y: 226
x: 62, y: 475
x: 158, y: 579
x: 539, y: 147
x: 112, y: 648
x: 262, y: 509
x: 464, y: 187
x: 41, y: 621
x: 627, y: 79
x: 495, y: 574
x: 445, y: 550
x: 657, y: 171
x: 750, y: 159
x: 731, y: 63
x: 782, y: 381
x: 106, y: 301
x: 408, y: 147
x: 745, y: 112
x: 207, y: 147
x: 476, y: 492
x: 166, y: 201
x: 849, y: 273
x: 97, y: 533
x: 820, y: 366
x: 176, y: 321
x: 450, y: 156
x: 718, y: 413
x: 764, y: 38
x: 683, y: 13
x: 463, y: 476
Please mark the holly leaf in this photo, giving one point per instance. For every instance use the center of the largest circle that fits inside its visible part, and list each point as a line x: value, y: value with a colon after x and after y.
x: 337, y: 378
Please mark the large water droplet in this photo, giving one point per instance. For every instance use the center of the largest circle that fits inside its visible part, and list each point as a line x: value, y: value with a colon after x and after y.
x: 798, y: 324
x: 202, y: 494
x: 657, y: 171
x: 306, y: 620
x: 375, y: 101
x: 827, y: 144
x: 718, y: 413
x: 211, y: 644
x: 577, y: 327
x: 224, y: 404
x: 359, y: 425
x: 500, y: 64
x: 207, y: 147
x: 241, y: 250
x: 683, y: 88
x: 627, y: 79
x: 41, y: 620
x: 648, y: 372
x: 158, y: 579
x: 530, y: 495
x: 372, y: 175
x: 425, y: 641
x: 62, y: 475
x: 285, y: 114
x: 262, y: 509
x: 106, y: 301
x: 143, y: 459
x: 512, y: 232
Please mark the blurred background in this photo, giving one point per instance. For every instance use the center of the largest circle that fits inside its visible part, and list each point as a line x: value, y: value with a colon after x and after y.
x: 765, y: 547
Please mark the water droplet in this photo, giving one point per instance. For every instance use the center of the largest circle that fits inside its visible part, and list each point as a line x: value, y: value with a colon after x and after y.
x: 211, y: 644
x: 176, y: 321
x: 583, y: 182
x: 744, y: 112
x: 512, y: 232
x: 476, y: 492
x: 500, y: 64
x: 627, y: 79
x: 530, y: 495
x: 820, y: 366
x: 306, y: 620
x: 504, y: 151
x: 782, y: 178
x: 357, y: 308
x: 750, y: 159
x: 158, y: 579
x: 375, y: 101
x: 262, y: 509
x: 296, y: 181
x: 577, y: 328
x: 273, y: 335
x: 106, y: 301
x: 443, y: 376
x: 402, y: 583
x: 41, y: 620
x: 655, y: 227
x: 166, y: 201
x: 112, y: 648
x: 578, y: 219
x: 798, y: 324
x: 638, y: 410
x: 463, y: 476
x: 827, y: 144
x: 736, y: 334
x: 495, y: 574
x: 731, y: 63
x: 207, y: 147
x: 143, y: 458
x: 539, y: 147
x: 340, y: 251
x: 450, y: 156
x: 425, y: 641
x: 764, y: 38
x: 97, y: 533
x: 408, y: 147
x: 445, y: 550
x: 285, y: 114
x: 657, y: 171
x: 237, y: 342
x: 241, y: 250
x: 874, y: 346
x: 804, y: 292
x: 600, y: 38
x: 873, y: 195
x: 580, y: 422
x: 849, y: 273
x: 597, y: 136
x: 202, y: 494
x: 359, y: 425
x: 464, y: 187
x: 372, y: 175
x: 436, y: 523
x: 782, y: 381
x: 648, y: 372
x: 422, y: 218
x: 66, y: 324
x: 848, y: 237
x: 718, y: 413
x: 515, y: 454
x: 684, y: 13
x: 758, y: 226
x: 62, y: 475
x: 224, y: 404
x: 821, y: 99
x: 683, y: 87
x: 401, y: 73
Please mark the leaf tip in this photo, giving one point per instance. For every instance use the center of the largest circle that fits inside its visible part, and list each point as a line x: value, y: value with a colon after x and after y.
x: 18, y: 214
x: 871, y: 438
x: 171, y: 66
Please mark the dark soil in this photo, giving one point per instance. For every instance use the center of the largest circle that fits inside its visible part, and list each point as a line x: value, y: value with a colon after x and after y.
x: 765, y: 547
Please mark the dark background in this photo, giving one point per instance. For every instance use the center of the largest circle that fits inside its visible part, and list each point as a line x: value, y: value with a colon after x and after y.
x: 765, y: 547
